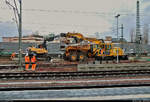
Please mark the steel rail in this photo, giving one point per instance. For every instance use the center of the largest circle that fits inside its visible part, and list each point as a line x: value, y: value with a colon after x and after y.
x: 55, y: 75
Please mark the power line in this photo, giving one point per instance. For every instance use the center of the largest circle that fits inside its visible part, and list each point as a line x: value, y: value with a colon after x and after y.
x: 34, y: 23
x: 76, y: 12
x: 87, y: 13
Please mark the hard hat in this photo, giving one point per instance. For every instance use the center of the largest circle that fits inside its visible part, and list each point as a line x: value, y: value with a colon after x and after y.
x: 27, y: 54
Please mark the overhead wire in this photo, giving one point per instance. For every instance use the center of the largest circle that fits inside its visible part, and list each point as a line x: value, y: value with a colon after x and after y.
x: 96, y: 13
x: 76, y: 12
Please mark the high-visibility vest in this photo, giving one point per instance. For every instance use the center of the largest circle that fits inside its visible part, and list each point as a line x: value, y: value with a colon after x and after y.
x: 27, y: 59
x: 33, y: 60
x: 13, y: 55
x: 102, y: 52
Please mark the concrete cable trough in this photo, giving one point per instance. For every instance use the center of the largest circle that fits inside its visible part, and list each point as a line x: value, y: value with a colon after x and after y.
x: 107, y: 67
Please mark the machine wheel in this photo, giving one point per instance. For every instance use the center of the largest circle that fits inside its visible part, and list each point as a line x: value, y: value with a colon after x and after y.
x: 48, y: 58
x: 73, y: 56
x: 99, y: 58
x: 64, y: 57
x: 125, y: 57
x: 81, y: 57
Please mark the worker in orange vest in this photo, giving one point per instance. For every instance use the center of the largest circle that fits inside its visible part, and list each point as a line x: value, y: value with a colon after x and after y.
x: 33, y: 62
x: 27, y: 61
x: 13, y: 55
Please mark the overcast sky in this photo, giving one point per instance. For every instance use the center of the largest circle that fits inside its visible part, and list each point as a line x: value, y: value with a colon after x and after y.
x: 84, y: 16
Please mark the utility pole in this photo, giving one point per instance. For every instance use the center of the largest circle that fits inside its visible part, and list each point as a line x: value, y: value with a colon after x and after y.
x: 117, y: 37
x: 20, y: 35
x: 122, y: 36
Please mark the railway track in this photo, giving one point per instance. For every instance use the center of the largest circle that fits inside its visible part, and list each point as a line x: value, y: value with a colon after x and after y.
x: 72, y: 75
x: 9, y: 67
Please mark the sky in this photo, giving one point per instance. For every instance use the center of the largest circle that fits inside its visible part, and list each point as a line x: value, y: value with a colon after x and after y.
x: 83, y: 16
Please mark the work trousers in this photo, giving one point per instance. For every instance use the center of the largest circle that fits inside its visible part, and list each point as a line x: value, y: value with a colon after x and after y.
x: 27, y: 65
x: 33, y: 66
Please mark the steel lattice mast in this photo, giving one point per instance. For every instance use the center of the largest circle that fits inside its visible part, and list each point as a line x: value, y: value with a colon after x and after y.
x: 138, y: 33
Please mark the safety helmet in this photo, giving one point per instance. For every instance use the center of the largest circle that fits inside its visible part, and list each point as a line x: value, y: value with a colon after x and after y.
x: 27, y: 54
